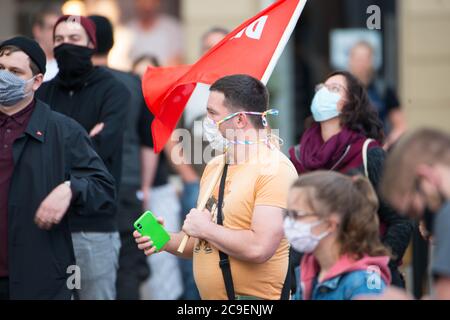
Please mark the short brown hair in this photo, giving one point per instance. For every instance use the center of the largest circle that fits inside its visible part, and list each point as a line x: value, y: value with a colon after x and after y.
x: 424, y: 146
x: 243, y: 93
x: 8, y: 50
x: 355, y: 200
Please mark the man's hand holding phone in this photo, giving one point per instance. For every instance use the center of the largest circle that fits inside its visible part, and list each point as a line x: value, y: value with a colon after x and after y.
x: 151, y: 237
x: 145, y: 243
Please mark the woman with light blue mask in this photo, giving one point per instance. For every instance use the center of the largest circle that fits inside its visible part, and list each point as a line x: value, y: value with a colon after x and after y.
x: 346, y: 131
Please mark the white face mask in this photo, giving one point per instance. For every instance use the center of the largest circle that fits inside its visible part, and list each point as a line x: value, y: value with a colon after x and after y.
x: 325, y: 105
x: 300, y: 236
x: 218, y: 142
x: 212, y: 134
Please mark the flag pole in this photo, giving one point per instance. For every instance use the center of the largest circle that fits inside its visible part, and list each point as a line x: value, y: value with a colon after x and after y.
x: 283, y: 41
x: 204, y: 200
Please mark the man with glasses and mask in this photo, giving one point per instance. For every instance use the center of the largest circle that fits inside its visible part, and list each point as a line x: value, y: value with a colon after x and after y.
x: 48, y: 171
x: 98, y: 101
x: 417, y: 182
x: 243, y: 225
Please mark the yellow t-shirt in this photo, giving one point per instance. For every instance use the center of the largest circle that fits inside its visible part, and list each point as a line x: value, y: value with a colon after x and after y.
x: 264, y: 180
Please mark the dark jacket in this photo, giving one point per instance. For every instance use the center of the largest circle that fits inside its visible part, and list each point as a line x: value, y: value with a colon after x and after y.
x: 53, y: 149
x: 102, y: 99
x: 131, y: 158
x: 137, y: 134
x: 398, y: 229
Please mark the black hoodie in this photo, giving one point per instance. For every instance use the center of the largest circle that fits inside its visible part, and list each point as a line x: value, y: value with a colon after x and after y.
x: 99, y: 98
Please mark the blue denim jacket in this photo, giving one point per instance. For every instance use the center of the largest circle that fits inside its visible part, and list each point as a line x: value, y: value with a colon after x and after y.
x: 346, y: 286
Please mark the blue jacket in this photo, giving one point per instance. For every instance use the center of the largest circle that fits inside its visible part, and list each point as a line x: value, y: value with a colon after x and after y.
x: 347, y: 280
x: 344, y: 287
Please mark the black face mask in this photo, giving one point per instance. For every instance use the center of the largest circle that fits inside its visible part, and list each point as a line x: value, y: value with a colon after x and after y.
x: 74, y: 63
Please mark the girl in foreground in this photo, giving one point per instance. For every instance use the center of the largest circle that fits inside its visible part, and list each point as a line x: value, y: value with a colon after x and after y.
x: 333, y: 220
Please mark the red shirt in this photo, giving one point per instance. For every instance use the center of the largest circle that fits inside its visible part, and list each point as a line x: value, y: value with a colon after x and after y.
x: 11, y: 128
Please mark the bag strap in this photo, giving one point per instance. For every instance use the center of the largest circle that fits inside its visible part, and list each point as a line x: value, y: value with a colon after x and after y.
x: 224, y: 259
x: 364, y: 155
x: 286, y: 291
x: 224, y: 262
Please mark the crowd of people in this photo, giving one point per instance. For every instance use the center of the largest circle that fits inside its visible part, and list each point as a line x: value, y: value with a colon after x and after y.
x: 331, y: 220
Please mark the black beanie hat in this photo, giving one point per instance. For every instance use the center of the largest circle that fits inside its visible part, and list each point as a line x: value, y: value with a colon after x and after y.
x: 105, y: 34
x: 31, y: 48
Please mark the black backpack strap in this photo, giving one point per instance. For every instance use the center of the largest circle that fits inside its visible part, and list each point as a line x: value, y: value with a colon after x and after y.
x: 224, y: 262
x: 290, y: 283
x: 286, y: 291
x: 224, y: 259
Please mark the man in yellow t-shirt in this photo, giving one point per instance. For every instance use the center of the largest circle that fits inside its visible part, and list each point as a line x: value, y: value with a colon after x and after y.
x: 255, y: 194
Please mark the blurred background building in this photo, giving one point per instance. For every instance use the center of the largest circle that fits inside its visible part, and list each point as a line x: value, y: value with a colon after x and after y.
x: 415, y: 55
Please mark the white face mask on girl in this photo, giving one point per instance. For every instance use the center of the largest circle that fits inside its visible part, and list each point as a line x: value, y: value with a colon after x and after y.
x: 300, y: 236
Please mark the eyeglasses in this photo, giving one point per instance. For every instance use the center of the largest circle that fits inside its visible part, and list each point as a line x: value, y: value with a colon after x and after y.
x: 263, y: 115
x: 296, y: 214
x: 333, y: 87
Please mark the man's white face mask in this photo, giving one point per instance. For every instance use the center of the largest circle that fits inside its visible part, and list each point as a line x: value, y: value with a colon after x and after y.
x: 218, y: 142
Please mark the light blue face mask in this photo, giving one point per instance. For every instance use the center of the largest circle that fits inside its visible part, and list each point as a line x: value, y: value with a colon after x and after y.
x: 12, y: 89
x: 324, y: 105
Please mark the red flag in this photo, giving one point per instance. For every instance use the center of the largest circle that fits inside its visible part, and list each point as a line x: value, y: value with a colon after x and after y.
x: 253, y: 48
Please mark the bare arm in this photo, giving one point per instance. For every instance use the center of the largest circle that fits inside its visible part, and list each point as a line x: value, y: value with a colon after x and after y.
x: 179, y: 164
x: 173, y: 244
x: 256, y: 245
x: 149, y: 164
x: 149, y: 159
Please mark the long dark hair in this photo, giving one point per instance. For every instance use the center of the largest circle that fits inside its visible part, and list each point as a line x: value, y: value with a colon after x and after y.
x: 358, y: 114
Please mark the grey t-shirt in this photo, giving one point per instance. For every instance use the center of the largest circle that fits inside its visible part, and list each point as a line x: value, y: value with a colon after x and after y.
x: 440, y: 265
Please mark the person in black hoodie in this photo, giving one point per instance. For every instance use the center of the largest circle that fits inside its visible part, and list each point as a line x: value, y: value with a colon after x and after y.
x: 98, y: 101
x: 133, y: 266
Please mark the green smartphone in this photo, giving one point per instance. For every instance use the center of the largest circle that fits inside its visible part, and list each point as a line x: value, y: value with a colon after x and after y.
x: 148, y: 226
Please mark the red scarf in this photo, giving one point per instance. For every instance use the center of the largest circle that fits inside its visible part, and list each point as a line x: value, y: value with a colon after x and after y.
x: 342, y: 152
